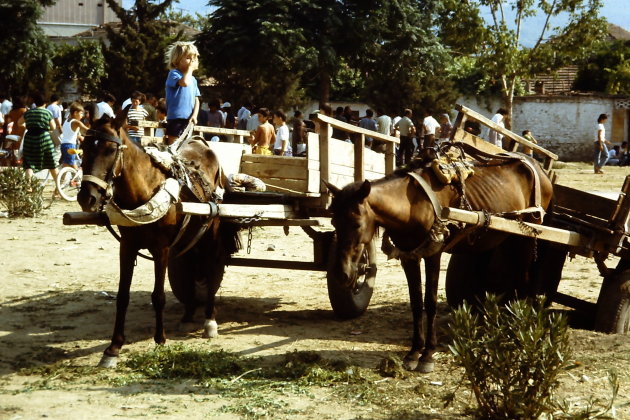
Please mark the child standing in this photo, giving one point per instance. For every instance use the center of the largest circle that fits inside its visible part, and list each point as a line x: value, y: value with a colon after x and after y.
x: 282, y: 146
x: 527, y: 135
x: 71, y: 134
x: 182, y: 93
x: 136, y: 114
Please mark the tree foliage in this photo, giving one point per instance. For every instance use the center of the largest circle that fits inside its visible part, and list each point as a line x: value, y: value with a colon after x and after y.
x: 277, y: 51
x: 83, y: 63
x: 26, y: 56
x: 405, y: 64
x: 135, y: 55
x: 608, y: 70
x: 496, y: 46
x: 255, y: 50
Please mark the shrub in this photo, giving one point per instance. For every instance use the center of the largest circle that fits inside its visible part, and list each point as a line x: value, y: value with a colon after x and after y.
x: 511, y: 356
x: 21, y: 196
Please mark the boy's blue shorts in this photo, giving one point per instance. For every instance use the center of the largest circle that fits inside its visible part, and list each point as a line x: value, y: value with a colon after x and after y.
x: 67, y: 158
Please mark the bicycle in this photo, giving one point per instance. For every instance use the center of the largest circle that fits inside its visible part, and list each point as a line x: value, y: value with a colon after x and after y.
x: 69, y: 179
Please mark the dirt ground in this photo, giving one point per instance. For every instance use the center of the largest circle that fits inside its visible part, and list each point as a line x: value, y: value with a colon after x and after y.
x: 57, y: 304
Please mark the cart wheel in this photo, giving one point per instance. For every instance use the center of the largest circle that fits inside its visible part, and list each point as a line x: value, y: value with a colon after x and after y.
x: 465, y: 279
x: 613, y: 304
x: 350, y: 303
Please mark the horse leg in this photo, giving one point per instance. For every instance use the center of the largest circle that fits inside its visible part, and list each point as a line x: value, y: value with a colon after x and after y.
x: 127, y: 260
x: 215, y: 276
x: 411, y: 267
x: 158, y: 298
x: 432, y: 269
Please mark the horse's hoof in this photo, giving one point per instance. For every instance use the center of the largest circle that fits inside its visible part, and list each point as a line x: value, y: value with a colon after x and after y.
x: 426, y: 367
x: 186, y: 327
x: 410, y: 364
x: 210, y: 329
x: 108, y: 362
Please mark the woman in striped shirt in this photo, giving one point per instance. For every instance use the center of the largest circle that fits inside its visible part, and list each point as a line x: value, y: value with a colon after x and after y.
x: 38, y: 145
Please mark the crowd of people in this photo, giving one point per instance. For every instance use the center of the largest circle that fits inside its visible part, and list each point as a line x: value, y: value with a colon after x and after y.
x: 51, y: 130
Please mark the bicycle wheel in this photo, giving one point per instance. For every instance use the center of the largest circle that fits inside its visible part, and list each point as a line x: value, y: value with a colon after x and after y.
x: 68, y: 183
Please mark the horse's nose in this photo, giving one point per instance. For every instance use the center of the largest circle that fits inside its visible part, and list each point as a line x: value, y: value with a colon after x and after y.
x: 87, y: 200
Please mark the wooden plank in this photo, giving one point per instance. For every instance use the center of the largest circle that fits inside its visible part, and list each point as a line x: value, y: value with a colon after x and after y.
x: 465, y: 137
x: 218, y: 130
x: 354, y: 129
x: 460, y: 122
x: 390, y: 158
x: 359, y: 158
x: 281, y: 264
x: 265, y: 211
x: 621, y: 215
x: 229, y: 155
x: 283, y: 222
x: 507, y: 133
x: 265, y: 170
x: 546, y: 233
x: 349, y: 171
x: 324, y: 152
x: 584, y: 202
x: 279, y: 161
x: 289, y: 186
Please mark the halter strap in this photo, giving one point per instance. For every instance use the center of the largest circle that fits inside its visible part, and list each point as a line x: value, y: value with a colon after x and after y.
x: 104, y: 136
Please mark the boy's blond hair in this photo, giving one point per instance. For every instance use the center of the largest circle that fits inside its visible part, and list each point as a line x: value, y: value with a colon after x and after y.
x: 178, y: 50
x: 74, y: 107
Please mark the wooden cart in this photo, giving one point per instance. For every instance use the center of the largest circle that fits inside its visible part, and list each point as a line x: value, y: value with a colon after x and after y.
x: 578, y: 223
x: 295, y: 197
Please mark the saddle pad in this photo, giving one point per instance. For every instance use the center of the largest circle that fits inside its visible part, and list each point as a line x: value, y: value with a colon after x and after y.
x: 447, y: 170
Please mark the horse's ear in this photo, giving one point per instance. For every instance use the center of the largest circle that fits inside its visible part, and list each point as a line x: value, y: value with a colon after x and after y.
x: 364, y: 190
x: 333, y: 190
x: 121, y: 118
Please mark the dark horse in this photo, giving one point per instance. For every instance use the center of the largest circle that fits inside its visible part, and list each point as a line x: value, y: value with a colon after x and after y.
x: 405, y: 210
x: 116, y: 170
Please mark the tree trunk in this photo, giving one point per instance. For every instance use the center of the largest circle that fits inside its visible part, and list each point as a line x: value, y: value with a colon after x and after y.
x: 324, y: 85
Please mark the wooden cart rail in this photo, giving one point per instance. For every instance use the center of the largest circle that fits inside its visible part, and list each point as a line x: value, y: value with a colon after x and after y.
x: 150, y: 126
x: 359, y: 147
x: 460, y: 134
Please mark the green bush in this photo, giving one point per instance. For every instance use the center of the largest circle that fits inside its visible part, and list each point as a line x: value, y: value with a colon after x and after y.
x: 21, y: 196
x: 511, y: 356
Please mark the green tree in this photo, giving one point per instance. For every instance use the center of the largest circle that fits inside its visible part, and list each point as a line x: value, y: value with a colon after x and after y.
x: 83, y: 64
x: 331, y: 49
x: 404, y: 65
x: 608, y: 70
x: 255, y: 51
x: 135, y: 55
x: 26, y: 56
x: 496, y: 46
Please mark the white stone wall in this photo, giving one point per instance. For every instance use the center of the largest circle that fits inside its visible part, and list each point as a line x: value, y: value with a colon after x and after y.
x: 564, y: 125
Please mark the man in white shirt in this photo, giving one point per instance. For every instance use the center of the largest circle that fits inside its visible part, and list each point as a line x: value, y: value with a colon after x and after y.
x: 5, y: 105
x: 105, y: 106
x: 407, y: 130
x: 243, y: 116
x: 431, y: 128
x: 499, y: 119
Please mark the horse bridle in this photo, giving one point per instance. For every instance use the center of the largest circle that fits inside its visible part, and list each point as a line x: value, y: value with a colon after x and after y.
x: 107, y: 184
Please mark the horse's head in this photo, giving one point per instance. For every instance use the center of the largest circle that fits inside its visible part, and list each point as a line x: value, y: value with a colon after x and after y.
x: 355, y: 226
x: 102, y: 161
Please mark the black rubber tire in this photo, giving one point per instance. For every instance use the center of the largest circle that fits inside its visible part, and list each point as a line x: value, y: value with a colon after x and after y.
x: 613, y: 304
x: 465, y: 279
x: 350, y: 303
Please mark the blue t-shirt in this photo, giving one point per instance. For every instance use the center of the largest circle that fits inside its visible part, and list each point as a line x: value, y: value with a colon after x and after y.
x: 180, y: 100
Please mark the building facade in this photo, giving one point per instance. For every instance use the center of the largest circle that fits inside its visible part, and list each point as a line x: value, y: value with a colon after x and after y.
x: 70, y: 17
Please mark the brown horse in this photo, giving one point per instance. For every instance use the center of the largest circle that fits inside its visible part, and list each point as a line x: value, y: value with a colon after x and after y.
x: 405, y: 210
x: 118, y: 171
